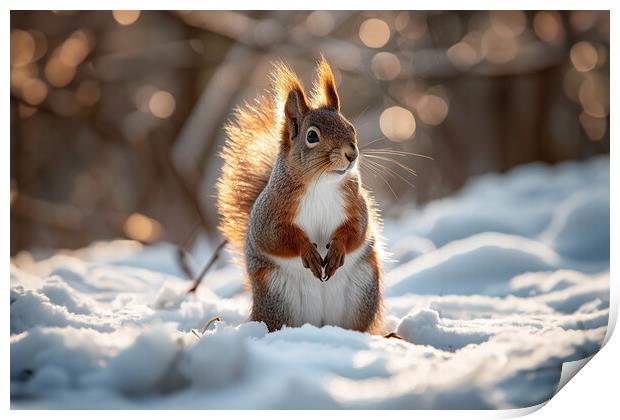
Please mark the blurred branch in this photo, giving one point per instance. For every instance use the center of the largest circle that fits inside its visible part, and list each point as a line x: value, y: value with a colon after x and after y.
x: 197, y: 139
x: 205, y: 270
x: 230, y: 24
x: 59, y: 216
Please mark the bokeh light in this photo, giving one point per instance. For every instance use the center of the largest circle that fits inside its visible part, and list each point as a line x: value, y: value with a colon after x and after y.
x: 374, y: 33
x: 20, y: 74
x: 397, y: 123
x: 498, y: 49
x: 142, y: 228
x: 508, y: 23
x: 594, y: 127
x: 162, y: 104
x: 593, y: 96
x: 34, y: 91
x: 385, y: 66
x: 320, y: 23
x: 58, y: 73
x: 74, y: 50
x: 432, y: 109
x: 22, y: 48
x: 463, y: 55
x: 582, y: 20
x: 548, y: 26
x: 26, y: 111
x: 126, y: 17
x: 583, y: 56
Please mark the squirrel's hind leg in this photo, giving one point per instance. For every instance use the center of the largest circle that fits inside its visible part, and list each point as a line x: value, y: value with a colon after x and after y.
x: 267, y: 305
x: 369, y: 315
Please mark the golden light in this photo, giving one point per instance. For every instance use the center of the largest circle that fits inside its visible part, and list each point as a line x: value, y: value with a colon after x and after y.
x: 432, y: 109
x: 548, y: 26
x: 385, y: 66
x: 497, y: 49
x: 162, y: 104
x: 583, y: 56
x: 125, y: 17
x: 142, y: 228
x: 374, y: 33
x: 20, y: 74
x: 462, y: 55
x: 88, y: 92
x: 58, y: 73
x: 320, y: 23
x: 508, y: 23
x: 594, y: 127
x: 582, y: 20
x: 397, y: 123
x: 75, y: 49
x: 34, y: 91
x: 26, y: 111
x: 22, y: 47
x: 593, y: 97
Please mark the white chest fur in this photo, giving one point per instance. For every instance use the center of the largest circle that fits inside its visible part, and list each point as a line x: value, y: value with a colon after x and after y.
x: 335, y: 302
x: 321, y: 211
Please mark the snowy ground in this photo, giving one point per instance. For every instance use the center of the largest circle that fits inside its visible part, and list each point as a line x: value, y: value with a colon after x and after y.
x: 493, y: 289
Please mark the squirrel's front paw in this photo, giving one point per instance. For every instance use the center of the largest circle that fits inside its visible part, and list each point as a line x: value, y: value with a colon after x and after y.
x: 311, y: 259
x: 334, y: 258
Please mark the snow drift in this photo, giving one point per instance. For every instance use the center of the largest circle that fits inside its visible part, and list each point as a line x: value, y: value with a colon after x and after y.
x: 491, y: 289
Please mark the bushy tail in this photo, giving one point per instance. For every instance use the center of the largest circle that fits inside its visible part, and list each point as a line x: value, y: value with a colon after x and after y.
x: 249, y: 154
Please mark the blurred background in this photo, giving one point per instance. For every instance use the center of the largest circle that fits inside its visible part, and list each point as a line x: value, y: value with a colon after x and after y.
x: 116, y: 117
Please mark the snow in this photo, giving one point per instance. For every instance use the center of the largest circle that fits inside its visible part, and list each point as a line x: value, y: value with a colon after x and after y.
x: 491, y: 289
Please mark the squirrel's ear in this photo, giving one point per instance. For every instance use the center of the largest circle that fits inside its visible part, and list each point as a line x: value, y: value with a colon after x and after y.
x: 324, y: 93
x: 291, y: 99
x: 295, y: 109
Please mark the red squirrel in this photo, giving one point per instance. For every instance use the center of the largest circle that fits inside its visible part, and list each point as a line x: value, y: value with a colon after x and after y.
x: 291, y: 199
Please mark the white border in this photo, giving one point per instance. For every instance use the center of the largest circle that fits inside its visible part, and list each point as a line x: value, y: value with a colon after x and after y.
x: 594, y: 391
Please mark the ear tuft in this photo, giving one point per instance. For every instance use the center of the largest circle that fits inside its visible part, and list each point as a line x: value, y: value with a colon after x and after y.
x: 324, y: 92
x: 290, y: 100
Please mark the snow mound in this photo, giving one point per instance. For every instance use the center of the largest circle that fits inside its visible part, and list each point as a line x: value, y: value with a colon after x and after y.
x: 424, y: 327
x: 580, y: 226
x: 491, y: 290
x: 472, y: 265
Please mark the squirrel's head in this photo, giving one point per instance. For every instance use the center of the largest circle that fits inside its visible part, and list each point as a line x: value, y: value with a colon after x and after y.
x: 316, y: 138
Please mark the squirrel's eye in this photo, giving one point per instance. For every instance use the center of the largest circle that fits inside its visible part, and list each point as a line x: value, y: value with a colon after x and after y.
x: 312, y: 137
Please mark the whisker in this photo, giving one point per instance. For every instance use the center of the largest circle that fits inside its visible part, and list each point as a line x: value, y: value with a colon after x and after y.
x: 381, y: 169
x: 361, y: 114
x: 394, y: 173
x: 398, y: 153
x: 394, y: 161
x: 372, y: 142
x: 384, y: 180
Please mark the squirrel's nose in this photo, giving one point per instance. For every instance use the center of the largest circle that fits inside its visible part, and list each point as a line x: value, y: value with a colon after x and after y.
x: 351, y: 155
